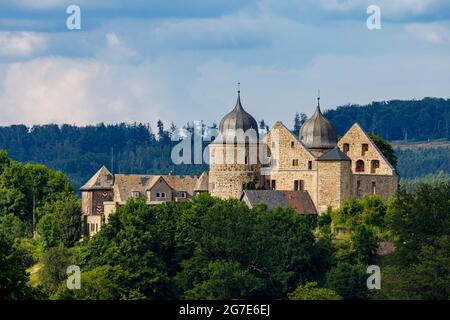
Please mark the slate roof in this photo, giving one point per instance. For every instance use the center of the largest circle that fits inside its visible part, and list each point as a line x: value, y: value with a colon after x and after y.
x: 318, y: 132
x: 102, y: 180
x: 300, y: 201
x: 334, y: 155
x: 237, y: 119
x: 125, y: 183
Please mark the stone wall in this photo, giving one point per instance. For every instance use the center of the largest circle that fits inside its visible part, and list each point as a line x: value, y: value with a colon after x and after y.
x: 285, y: 181
x: 228, y: 171
x: 385, y: 186
x: 285, y: 147
x: 355, y: 138
x: 334, y: 184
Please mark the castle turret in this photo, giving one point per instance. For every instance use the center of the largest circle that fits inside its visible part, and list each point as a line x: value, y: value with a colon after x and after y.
x: 318, y: 133
x: 234, y: 162
x: 93, y: 195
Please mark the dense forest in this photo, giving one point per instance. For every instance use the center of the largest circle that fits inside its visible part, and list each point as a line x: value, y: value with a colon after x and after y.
x: 407, y: 120
x: 209, y: 248
x: 133, y: 148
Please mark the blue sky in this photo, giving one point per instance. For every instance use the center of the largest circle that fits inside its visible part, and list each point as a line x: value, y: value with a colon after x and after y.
x: 180, y: 60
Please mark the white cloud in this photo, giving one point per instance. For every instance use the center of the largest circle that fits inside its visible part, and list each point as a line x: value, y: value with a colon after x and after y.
x: 21, y: 44
x: 434, y: 33
x: 78, y: 91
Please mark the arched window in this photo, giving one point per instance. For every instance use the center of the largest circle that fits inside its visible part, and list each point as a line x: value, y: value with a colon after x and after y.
x: 359, y: 166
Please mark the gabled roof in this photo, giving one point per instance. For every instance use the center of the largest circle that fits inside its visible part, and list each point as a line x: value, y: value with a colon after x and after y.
x: 300, y: 201
x: 295, y: 137
x: 334, y: 155
x: 102, y: 180
x: 358, y: 126
x: 126, y: 183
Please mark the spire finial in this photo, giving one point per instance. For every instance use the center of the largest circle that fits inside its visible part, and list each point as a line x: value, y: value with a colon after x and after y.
x: 239, y: 88
x: 318, y: 97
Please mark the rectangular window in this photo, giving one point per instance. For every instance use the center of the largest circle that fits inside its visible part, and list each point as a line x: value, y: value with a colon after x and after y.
x: 374, y: 187
x: 158, y: 195
x: 295, y: 162
x: 292, y: 144
x: 163, y: 194
x: 309, y: 165
x: 273, y: 184
x: 246, y: 159
x: 346, y: 148
x: 183, y: 194
x: 299, y: 185
x: 364, y: 148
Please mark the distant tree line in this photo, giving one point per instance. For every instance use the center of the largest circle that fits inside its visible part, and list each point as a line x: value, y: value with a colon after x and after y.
x: 424, y: 119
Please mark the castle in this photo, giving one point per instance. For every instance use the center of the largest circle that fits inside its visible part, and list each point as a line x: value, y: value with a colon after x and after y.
x: 310, y: 172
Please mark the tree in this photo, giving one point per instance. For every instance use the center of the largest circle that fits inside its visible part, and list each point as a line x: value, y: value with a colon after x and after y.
x: 12, y: 227
x: 263, y: 126
x: 224, y: 280
x: 55, y: 262
x: 13, y: 276
x: 425, y: 280
x: 299, y: 120
x: 310, y: 291
x: 416, y: 219
x: 349, y: 281
x: 101, y: 283
x: 364, y: 243
x: 385, y: 148
x: 49, y: 230
x: 61, y: 221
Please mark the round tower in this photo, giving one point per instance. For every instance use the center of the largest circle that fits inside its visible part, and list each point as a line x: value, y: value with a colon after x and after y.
x: 234, y: 161
x: 318, y: 133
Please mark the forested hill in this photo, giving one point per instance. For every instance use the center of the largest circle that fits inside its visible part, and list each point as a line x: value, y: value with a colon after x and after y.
x: 424, y: 119
x: 80, y: 151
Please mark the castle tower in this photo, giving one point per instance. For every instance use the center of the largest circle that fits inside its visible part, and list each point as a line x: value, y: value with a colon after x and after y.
x: 334, y: 179
x: 93, y: 195
x: 318, y: 133
x: 234, y: 161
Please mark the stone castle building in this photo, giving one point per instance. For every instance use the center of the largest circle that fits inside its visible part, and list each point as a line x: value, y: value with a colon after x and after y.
x: 310, y: 171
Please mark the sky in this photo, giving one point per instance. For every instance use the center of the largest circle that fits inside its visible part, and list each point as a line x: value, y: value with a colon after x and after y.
x: 181, y: 60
